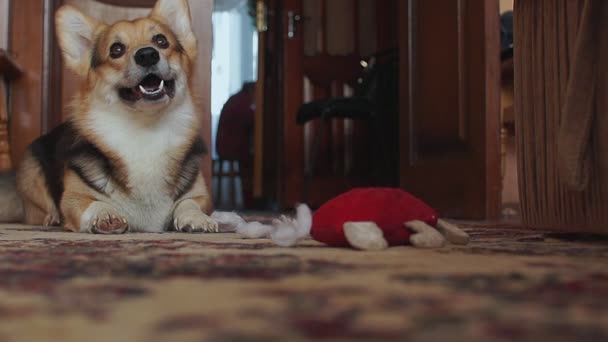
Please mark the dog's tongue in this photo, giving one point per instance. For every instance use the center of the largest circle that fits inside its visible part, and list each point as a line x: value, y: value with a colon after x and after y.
x: 151, y: 83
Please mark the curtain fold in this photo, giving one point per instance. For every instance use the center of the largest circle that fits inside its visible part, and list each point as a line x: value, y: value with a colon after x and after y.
x: 4, y: 21
x: 561, y: 99
x: 227, y: 5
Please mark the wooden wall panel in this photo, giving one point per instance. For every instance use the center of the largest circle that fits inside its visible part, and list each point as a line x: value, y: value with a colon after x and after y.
x: 26, y: 44
x: 5, y: 160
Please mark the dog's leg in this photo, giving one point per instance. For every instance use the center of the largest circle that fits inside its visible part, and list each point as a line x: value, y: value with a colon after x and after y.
x: 102, y: 218
x: 39, y: 207
x: 84, y: 213
x: 188, y: 215
x: 89, y: 216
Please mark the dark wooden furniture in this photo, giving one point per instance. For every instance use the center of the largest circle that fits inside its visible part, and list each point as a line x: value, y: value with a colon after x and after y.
x: 9, y: 70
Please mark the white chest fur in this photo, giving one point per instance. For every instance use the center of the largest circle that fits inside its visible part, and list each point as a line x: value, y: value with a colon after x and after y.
x: 147, y: 152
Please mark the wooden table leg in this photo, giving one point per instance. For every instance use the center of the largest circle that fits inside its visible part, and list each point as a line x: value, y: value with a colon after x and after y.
x: 5, y: 158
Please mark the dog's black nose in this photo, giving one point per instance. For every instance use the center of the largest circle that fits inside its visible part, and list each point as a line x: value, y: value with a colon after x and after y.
x: 147, y: 57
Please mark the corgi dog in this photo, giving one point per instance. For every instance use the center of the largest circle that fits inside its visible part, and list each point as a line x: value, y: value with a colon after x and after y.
x: 128, y: 157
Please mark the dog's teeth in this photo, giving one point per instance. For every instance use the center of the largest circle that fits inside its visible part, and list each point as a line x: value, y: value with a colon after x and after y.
x: 153, y: 92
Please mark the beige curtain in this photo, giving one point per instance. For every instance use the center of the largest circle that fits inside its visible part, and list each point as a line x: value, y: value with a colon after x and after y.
x: 561, y: 101
x: 4, y: 11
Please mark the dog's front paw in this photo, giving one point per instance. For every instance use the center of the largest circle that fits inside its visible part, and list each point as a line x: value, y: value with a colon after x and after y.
x: 109, y: 224
x: 103, y: 219
x: 195, y: 221
x: 52, y: 220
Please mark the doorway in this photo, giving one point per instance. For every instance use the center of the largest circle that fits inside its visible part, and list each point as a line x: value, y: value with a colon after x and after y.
x: 233, y: 75
x: 510, y: 207
x: 448, y: 90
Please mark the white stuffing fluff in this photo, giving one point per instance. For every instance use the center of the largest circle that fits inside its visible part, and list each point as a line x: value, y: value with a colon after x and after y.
x: 254, y: 230
x: 303, y: 220
x: 284, y: 232
x: 227, y: 221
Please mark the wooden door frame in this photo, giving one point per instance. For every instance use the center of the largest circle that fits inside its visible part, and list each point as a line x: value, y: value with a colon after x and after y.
x: 292, y: 148
x: 36, y: 107
x: 269, y: 106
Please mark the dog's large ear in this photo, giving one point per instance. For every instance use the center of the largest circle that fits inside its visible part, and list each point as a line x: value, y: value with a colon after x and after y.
x: 176, y: 15
x: 76, y: 33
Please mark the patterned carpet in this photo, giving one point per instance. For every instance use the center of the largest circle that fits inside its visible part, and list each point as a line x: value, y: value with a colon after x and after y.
x: 507, y: 284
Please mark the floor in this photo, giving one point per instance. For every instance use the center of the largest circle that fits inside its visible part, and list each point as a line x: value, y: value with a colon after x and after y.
x: 507, y: 284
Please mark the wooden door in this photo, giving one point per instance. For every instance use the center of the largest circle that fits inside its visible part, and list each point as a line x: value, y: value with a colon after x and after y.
x: 449, y: 100
x: 449, y: 85
x: 324, y: 42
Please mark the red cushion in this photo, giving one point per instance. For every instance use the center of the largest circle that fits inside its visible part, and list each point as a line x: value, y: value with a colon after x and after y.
x: 389, y: 208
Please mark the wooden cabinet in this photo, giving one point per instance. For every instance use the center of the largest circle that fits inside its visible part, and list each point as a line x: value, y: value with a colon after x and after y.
x: 9, y: 71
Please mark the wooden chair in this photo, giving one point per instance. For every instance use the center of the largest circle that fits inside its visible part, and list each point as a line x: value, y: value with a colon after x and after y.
x: 231, y: 173
x: 8, y: 71
x: 375, y: 89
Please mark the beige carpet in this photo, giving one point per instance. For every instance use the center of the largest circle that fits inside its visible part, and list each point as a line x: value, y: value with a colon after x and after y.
x: 506, y: 285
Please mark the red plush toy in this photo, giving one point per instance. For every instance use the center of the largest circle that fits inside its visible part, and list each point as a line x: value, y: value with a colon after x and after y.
x: 369, y: 219
x: 374, y: 218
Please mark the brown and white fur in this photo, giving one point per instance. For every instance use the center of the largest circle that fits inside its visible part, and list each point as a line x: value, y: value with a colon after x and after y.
x: 128, y: 157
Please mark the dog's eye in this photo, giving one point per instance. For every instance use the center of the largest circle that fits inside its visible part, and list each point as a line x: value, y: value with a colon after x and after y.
x: 161, y: 41
x: 117, y: 50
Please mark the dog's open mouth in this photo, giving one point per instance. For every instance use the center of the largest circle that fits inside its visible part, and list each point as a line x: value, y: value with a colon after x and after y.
x: 151, y: 88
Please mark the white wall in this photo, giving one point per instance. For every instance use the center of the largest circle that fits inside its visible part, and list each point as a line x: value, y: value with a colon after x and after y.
x: 234, y: 58
x: 506, y: 5
x: 4, y: 23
